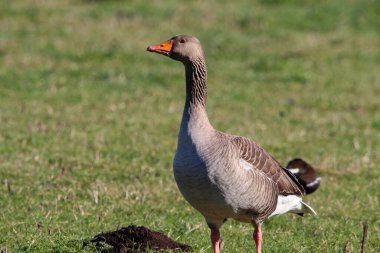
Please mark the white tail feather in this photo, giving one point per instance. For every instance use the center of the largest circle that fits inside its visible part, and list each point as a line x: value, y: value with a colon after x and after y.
x: 308, y: 209
x: 293, y: 204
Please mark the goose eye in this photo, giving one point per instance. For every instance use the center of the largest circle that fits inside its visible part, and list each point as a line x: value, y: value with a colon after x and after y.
x: 182, y: 41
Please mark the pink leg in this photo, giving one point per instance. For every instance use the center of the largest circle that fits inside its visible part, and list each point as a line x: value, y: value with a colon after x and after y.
x: 258, y: 238
x: 215, y: 239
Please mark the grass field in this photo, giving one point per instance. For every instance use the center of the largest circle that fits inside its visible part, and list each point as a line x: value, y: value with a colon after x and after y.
x: 89, y: 119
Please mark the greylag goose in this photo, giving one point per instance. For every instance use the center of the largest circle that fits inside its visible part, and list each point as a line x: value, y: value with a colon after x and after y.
x: 305, y: 174
x: 224, y: 176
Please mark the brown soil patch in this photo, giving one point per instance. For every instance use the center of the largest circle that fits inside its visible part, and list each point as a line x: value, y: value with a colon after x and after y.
x: 134, y: 239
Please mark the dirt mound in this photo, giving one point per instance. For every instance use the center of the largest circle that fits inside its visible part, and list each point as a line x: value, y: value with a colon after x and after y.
x: 134, y: 239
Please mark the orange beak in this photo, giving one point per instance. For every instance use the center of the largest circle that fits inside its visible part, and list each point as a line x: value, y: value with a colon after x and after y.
x: 161, y: 48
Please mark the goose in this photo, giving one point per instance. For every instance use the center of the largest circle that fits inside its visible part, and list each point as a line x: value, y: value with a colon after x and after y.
x: 221, y: 175
x: 305, y: 174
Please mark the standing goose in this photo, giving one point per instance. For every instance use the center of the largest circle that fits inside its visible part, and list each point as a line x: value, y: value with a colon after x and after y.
x: 221, y: 175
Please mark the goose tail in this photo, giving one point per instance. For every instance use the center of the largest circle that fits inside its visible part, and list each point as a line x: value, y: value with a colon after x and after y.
x: 307, y: 209
x: 292, y: 204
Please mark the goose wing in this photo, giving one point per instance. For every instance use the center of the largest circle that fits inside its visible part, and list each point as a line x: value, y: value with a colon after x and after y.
x: 258, y: 159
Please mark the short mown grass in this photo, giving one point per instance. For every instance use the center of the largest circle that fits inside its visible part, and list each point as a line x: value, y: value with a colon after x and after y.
x: 89, y: 120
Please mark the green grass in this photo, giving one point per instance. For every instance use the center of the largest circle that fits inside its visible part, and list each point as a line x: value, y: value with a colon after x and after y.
x: 89, y: 119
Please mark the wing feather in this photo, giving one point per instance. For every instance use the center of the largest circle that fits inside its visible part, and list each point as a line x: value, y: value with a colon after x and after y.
x: 252, y: 153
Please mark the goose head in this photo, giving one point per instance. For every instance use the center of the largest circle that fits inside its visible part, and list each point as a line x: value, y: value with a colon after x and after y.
x: 182, y: 48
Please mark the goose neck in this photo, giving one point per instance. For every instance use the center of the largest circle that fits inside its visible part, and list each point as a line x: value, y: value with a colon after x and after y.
x: 196, y: 83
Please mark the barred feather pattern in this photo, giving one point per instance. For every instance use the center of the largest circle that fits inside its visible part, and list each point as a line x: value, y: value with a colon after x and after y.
x: 196, y: 86
x: 251, y: 152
